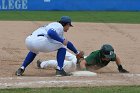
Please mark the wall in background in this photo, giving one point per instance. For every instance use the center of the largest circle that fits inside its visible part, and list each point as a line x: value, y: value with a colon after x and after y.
x: 73, y: 5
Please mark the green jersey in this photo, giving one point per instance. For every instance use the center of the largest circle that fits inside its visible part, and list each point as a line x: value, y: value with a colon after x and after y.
x: 95, y: 59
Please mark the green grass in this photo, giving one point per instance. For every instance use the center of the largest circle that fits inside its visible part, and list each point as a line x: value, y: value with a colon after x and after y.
x: 113, y: 89
x: 77, y: 16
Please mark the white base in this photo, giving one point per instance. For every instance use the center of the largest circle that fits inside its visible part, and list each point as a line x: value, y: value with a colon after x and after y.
x: 83, y: 73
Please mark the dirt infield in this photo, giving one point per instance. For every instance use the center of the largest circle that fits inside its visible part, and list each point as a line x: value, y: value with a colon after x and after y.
x: 87, y: 37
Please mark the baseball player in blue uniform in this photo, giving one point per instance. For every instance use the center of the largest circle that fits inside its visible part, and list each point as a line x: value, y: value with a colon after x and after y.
x: 49, y: 38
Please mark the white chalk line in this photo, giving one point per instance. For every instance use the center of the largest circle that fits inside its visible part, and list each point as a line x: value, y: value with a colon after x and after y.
x: 52, y: 82
x: 11, y: 78
x: 131, y: 75
x: 57, y: 82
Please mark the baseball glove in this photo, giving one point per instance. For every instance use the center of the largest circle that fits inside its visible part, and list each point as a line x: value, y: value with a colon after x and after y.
x: 80, y: 56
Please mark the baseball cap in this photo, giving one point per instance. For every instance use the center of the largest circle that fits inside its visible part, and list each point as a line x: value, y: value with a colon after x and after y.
x: 66, y: 19
x: 108, y: 51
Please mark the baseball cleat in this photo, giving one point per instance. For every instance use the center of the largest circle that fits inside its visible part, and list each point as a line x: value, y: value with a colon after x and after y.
x: 20, y: 72
x: 38, y: 63
x: 60, y: 73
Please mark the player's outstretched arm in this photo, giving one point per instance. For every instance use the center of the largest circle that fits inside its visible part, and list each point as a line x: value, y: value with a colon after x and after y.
x: 120, y: 67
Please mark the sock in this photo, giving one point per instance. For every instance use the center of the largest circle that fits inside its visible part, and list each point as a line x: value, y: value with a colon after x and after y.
x: 60, y: 58
x: 29, y: 58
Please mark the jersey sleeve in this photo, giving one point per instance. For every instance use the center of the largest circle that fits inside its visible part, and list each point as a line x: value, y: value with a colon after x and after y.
x: 53, y: 34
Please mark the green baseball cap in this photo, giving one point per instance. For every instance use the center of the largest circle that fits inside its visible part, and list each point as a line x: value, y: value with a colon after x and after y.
x: 108, y: 51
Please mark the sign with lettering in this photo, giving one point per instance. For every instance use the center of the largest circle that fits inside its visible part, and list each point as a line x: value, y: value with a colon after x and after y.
x: 13, y: 4
x: 73, y: 5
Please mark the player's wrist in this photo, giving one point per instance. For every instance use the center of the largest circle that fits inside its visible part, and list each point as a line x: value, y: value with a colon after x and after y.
x: 120, y: 67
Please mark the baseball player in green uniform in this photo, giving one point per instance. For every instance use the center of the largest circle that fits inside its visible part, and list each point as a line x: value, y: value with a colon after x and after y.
x: 96, y: 60
x: 100, y: 58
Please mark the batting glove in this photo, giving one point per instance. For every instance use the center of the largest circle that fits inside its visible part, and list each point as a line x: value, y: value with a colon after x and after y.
x: 122, y: 70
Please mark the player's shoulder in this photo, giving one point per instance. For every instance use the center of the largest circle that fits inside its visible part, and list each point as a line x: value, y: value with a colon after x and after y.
x: 55, y: 24
x: 96, y: 52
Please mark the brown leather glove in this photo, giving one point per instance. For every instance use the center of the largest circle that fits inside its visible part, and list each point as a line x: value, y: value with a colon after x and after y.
x: 80, y: 55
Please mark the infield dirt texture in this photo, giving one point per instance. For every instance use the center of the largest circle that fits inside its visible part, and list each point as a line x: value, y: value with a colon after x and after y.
x: 87, y: 37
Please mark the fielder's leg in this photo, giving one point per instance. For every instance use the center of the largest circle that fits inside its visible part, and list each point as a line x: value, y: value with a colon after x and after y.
x: 29, y: 58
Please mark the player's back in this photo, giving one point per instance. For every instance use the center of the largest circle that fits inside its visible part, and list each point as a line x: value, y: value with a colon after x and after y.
x: 54, y: 25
